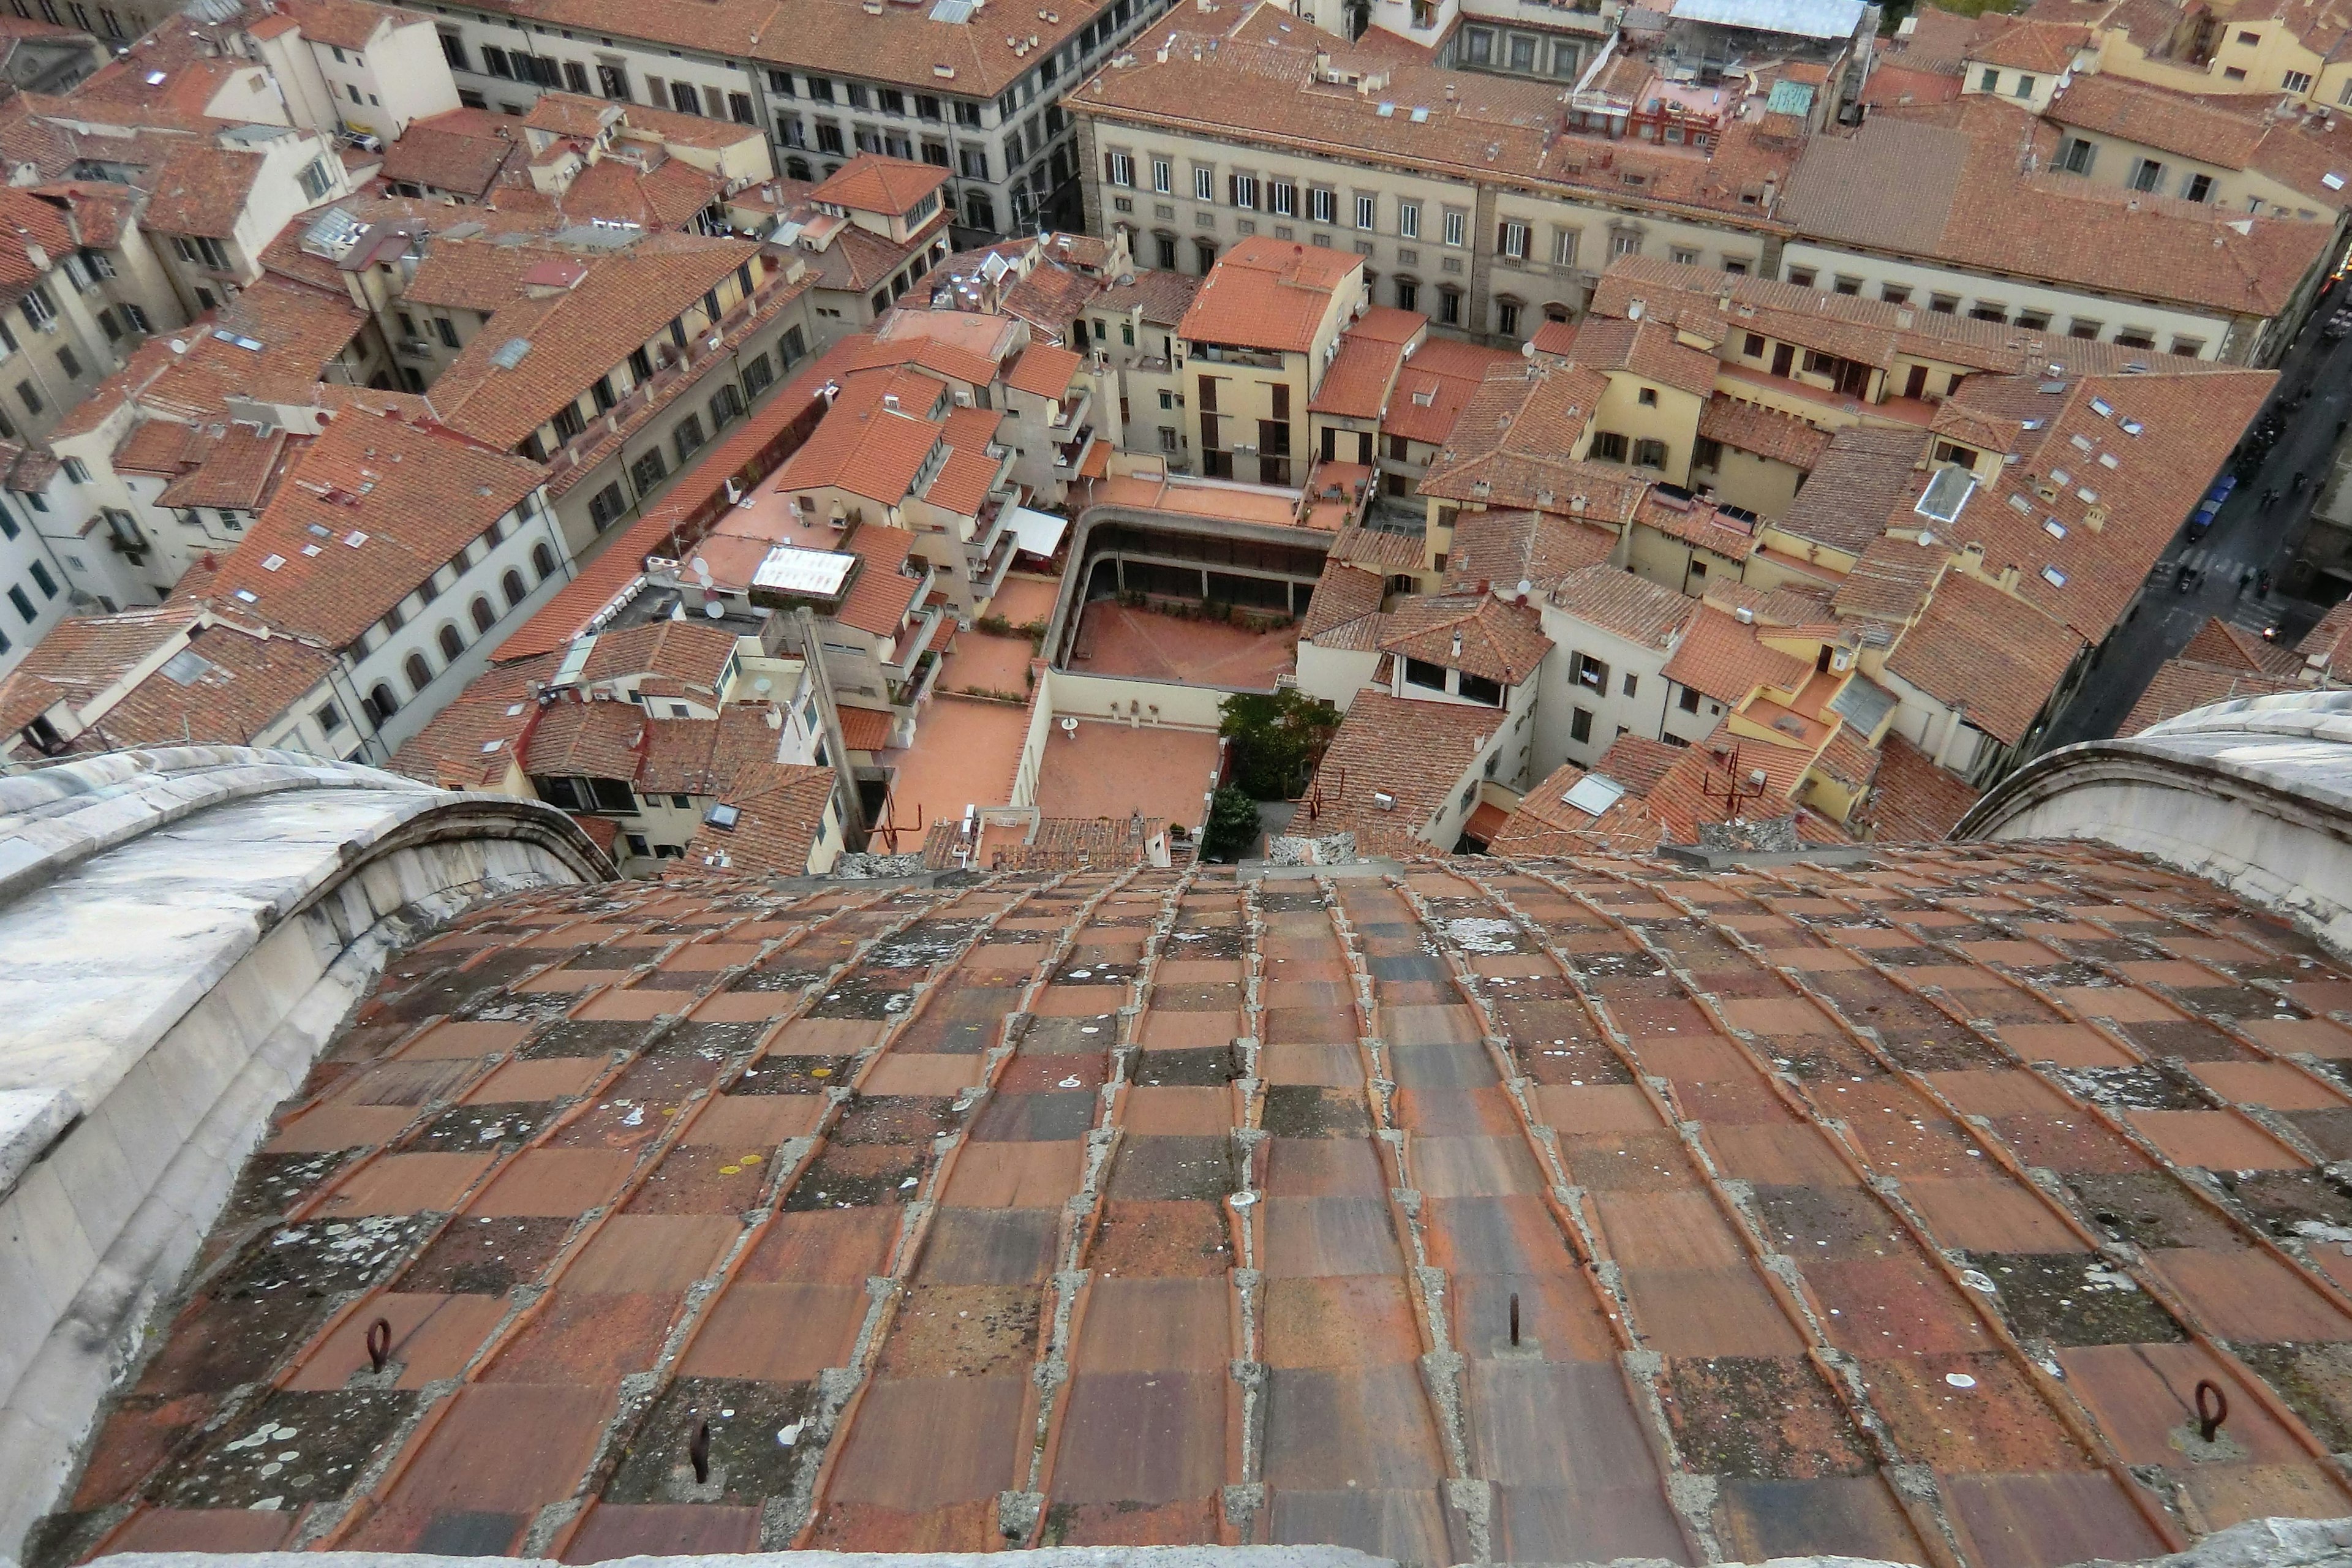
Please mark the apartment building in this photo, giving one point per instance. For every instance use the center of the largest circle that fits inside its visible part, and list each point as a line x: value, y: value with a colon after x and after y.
x: 215, y: 205
x: 2241, y: 157
x: 342, y: 66
x: 59, y: 335
x: 615, y: 370
x: 1467, y: 197
x: 1252, y: 350
x: 639, y: 730
x: 1937, y: 217
x: 128, y: 510
x: 160, y: 675
x: 977, y: 95
x: 31, y: 579
x: 2256, y: 49
x: 408, y: 553
x: 871, y: 231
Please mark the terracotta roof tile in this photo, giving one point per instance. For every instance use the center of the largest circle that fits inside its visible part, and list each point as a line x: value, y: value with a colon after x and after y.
x: 1503, y: 548
x: 779, y: 817
x: 1043, y: 370
x: 203, y: 191
x: 1617, y: 601
x: 1722, y: 659
x: 874, y: 184
x: 1863, y: 474
x: 1435, y: 381
x: 1928, y: 191
x: 1296, y: 90
x: 1343, y: 594
x: 1356, y: 383
x: 1977, y: 648
x: 453, y: 153
x: 473, y: 741
x: 1480, y: 636
x: 865, y: 729
x: 1264, y: 293
x: 1766, y: 432
x: 2183, y: 683
x: 1416, y: 752
x: 1545, y: 824
x: 1913, y: 801
x: 577, y: 335
x: 881, y: 594
x: 392, y: 504
x: 1646, y: 348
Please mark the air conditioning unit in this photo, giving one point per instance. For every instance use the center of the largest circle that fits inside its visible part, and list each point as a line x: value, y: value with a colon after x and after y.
x: 416, y: 348
x: 48, y: 324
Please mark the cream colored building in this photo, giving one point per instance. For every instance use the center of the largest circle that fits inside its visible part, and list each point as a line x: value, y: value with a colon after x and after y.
x: 1459, y: 192
x: 1252, y: 349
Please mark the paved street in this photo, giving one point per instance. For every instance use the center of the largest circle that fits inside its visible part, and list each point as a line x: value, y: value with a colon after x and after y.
x: 2243, y: 536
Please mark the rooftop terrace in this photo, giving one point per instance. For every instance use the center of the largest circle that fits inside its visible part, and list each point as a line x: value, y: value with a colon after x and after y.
x: 1118, y: 640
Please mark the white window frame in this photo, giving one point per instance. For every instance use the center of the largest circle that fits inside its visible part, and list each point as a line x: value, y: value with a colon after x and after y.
x: 1367, y: 211
x: 1457, y: 228
x: 1408, y: 220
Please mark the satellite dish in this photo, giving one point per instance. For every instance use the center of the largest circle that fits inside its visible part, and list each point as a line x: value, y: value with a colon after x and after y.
x: 1526, y: 588
x: 1070, y: 728
x: 715, y: 610
x: 179, y: 345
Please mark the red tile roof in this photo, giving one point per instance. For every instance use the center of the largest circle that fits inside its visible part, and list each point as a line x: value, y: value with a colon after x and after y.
x: 1269, y: 294
x: 1724, y: 659
x: 1043, y: 370
x: 395, y: 502
x: 780, y: 814
x: 1979, y: 650
x: 1416, y: 752
x: 881, y: 594
x: 203, y: 190
x: 1478, y: 635
x: 1913, y: 801
x: 874, y: 184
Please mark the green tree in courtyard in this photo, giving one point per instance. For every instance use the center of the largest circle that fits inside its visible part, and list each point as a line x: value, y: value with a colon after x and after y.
x: 1277, y: 738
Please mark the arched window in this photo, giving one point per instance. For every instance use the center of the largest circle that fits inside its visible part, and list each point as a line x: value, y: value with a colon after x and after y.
x: 512, y: 584
x: 485, y: 618
x: 452, y: 645
x: 542, y: 561
x: 381, y: 703
x: 1207, y: 251
x: 420, y: 674
x: 798, y: 168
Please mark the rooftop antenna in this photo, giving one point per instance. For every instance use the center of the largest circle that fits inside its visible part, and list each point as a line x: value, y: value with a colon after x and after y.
x: 1737, y: 787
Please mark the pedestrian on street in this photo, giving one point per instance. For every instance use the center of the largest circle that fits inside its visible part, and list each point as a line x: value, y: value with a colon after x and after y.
x: 2246, y: 580
x: 2270, y: 498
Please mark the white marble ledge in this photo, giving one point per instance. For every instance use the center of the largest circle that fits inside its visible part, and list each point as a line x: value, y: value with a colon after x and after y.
x: 112, y: 947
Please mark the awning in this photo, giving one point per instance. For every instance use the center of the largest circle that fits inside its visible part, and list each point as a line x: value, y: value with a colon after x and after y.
x: 1038, y: 531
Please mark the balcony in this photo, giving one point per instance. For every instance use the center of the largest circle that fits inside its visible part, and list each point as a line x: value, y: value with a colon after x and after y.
x: 1225, y: 353
x: 988, y: 574
x: 1068, y: 454
x: 1069, y: 417
x: 914, y: 641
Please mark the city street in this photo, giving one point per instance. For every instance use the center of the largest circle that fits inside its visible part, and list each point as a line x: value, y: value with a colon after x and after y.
x: 2243, y: 536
